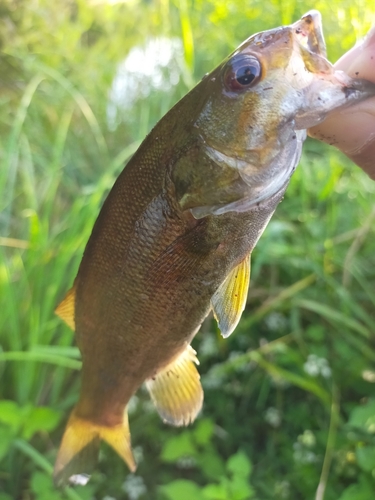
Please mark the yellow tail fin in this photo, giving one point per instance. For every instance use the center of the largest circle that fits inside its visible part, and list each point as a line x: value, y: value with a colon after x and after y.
x: 79, y: 449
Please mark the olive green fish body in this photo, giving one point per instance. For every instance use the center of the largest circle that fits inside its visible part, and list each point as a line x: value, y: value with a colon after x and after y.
x: 146, y: 280
x: 174, y: 237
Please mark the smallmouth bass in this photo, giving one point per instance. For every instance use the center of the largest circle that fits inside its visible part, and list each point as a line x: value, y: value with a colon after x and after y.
x: 174, y: 237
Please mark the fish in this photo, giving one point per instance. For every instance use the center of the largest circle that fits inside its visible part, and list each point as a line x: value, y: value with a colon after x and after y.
x: 174, y: 237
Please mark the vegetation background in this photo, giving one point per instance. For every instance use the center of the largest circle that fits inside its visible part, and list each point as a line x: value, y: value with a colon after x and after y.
x: 289, y: 407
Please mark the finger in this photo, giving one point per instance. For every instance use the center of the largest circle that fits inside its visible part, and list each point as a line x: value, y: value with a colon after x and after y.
x: 353, y: 129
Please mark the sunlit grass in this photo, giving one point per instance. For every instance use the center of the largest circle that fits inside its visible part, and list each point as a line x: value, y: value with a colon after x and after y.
x: 314, y: 265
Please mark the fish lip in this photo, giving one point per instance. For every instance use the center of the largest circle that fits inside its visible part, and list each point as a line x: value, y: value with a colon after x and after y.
x: 352, y: 87
x: 358, y: 87
x: 309, y: 32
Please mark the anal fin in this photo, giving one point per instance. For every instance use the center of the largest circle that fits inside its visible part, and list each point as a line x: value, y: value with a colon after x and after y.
x: 229, y: 300
x: 65, y: 310
x: 176, y: 390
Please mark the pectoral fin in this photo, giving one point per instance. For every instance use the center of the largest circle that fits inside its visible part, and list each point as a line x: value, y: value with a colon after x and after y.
x: 65, y: 310
x: 177, y: 391
x: 229, y: 300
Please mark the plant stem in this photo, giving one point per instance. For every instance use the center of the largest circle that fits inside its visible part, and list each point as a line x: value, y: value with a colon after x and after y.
x: 335, y: 408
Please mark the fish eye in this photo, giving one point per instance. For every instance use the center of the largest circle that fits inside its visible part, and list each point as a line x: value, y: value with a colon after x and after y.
x: 242, y: 72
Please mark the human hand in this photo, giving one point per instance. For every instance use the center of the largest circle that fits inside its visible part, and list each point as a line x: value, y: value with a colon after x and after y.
x: 352, y: 129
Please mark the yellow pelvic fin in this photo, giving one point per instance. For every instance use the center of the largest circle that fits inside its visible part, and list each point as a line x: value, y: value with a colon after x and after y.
x: 229, y: 300
x: 65, y: 310
x: 79, y: 449
x: 176, y: 389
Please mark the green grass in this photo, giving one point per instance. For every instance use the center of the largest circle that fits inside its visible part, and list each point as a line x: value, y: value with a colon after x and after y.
x: 312, y: 285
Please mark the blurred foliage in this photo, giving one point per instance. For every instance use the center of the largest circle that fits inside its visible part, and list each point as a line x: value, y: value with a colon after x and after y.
x: 290, y: 397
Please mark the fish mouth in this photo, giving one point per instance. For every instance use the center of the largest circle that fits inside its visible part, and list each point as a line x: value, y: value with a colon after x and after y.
x: 309, y: 33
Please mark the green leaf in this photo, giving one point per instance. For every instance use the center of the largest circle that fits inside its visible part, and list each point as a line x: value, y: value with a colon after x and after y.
x: 42, y: 486
x: 6, y: 438
x: 182, y: 489
x: 315, y: 332
x: 40, y: 419
x: 211, y: 463
x: 43, y: 357
x: 240, y: 489
x: 364, y: 416
x: 358, y: 492
x: 40, y: 461
x: 215, y: 492
x: 305, y: 383
x: 203, y: 431
x: 41, y: 483
x: 4, y: 496
x: 332, y: 314
x: 366, y: 458
x: 11, y: 414
x: 239, y: 465
x: 178, y: 447
x: 86, y: 492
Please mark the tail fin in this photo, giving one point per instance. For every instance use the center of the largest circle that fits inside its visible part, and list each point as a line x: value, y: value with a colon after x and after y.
x: 79, y: 449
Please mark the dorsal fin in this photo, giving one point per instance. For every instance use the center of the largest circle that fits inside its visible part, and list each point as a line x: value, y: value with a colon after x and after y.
x: 229, y: 300
x: 65, y: 310
x: 176, y: 389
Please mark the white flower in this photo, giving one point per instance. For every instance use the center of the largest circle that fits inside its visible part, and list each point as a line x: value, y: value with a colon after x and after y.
x: 308, y: 439
x: 134, y: 486
x: 302, y: 448
x: 315, y: 366
x: 272, y: 416
x: 275, y: 321
x: 282, y: 489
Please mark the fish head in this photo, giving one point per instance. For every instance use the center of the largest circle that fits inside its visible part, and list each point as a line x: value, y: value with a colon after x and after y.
x: 263, y: 97
x: 276, y: 77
